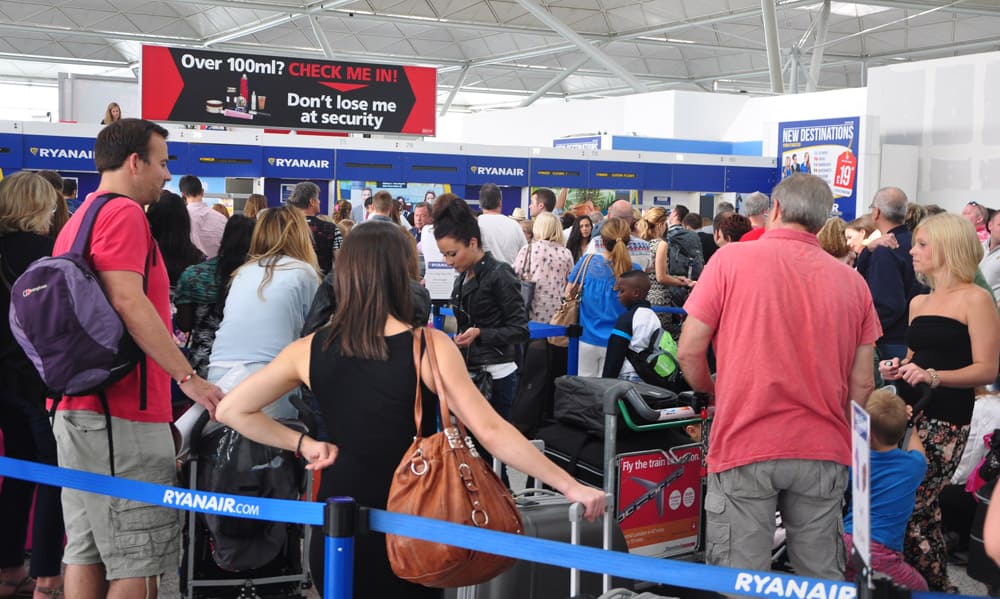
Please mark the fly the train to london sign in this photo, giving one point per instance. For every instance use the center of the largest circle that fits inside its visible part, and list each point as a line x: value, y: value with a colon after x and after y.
x: 196, y: 86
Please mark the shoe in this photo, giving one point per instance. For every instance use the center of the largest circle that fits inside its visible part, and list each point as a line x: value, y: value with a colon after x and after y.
x: 52, y: 593
x: 22, y: 588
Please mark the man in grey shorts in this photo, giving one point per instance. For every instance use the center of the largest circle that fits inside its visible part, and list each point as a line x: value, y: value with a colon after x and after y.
x: 793, y: 330
x: 118, y: 548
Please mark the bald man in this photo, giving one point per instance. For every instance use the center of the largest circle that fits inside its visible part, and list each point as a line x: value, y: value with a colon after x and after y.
x: 638, y: 248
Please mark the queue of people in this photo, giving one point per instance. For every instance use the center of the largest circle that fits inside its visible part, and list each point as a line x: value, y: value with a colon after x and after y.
x: 799, y: 321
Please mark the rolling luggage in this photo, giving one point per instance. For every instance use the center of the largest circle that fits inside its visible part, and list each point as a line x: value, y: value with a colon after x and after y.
x: 546, y: 515
x: 228, y: 557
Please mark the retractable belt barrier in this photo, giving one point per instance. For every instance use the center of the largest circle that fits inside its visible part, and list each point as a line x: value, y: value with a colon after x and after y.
x: 340, y: 519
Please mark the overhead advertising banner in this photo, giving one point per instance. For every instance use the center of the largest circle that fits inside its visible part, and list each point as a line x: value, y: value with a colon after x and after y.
x: 197, y: 86
x: 826, y: 148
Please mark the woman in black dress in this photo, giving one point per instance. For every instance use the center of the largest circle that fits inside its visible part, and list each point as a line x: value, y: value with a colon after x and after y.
x: 953, y: 345
x: 26, y: 204
x: 361, y: 369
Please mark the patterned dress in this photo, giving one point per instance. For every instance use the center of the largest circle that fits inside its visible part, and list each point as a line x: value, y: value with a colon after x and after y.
x: 326, y: 240
x: 549, y: 266
x: 197, y: 286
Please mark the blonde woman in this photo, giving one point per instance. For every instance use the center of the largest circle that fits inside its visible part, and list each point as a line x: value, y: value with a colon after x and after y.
x: 256, y: 204
x: 267, y: 301
x: 26, y: 204
x: 599, y: 305
x: 546, y: 262
x: 953, y: 343
x: 112, y: 114
x: 652, y: 227
x: 833, y: 239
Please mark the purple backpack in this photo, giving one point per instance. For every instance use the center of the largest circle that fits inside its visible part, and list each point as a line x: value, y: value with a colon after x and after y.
x: 61, y: 317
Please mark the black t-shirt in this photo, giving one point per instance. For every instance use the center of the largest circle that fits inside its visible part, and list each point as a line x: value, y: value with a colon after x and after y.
x: 17, y: 251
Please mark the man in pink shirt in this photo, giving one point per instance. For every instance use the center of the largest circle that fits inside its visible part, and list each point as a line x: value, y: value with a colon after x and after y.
x: 117, y: 547
x: 977, y: 214
x: 207, y: 225
x: 792, y: 329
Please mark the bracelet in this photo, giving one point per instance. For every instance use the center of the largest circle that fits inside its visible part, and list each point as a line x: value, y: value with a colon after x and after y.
x: 187, y: 377
x: 935, y: 379
x: 298, y: 446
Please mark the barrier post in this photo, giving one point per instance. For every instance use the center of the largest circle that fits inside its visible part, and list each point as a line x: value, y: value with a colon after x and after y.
x: 573, y: 331
x: 340, y: 523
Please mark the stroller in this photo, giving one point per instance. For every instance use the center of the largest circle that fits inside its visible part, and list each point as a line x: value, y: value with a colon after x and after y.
x: 228, y: 557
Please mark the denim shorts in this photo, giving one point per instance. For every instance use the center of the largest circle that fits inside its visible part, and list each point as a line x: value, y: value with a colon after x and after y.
x: 132, y: 539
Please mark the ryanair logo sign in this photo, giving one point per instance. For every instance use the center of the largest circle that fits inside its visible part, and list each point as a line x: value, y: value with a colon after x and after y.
x: 62, y: 153
x: 497, y: 171
x: 298, y: 163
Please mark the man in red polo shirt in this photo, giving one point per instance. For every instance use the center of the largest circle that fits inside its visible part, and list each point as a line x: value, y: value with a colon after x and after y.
x: 755, y: 208
x: 792, y: 329
x: 117, y: 547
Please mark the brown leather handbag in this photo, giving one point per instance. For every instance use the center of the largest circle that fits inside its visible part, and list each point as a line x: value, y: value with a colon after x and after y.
x: 442, y: 476
x: 568, y: 312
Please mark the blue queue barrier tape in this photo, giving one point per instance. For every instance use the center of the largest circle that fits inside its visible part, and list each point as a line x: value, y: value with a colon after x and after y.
x: 256, y: 508
x: 669, y: 310
x: 730, y: 581
x: 664, y: 571
x: 339, y: 527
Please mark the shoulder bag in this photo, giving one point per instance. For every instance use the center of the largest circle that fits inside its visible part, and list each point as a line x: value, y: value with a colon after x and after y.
x: 443, y: 477
x: 568, y: 312
x: 527, y: 286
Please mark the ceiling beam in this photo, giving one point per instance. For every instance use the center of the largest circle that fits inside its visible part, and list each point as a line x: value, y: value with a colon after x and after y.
x: 146, y: 38
x: 321, y: 39
x: 816, y: 64
x: 924, y: 5
x: 274, y: 21
x: 585, y: 46
x: 454, y: 90
x: 86, y: 62
x: 555, y: 81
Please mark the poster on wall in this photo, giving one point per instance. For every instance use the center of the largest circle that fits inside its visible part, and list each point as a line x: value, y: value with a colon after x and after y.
x: 826, y: 148
x: 198, y: 86
x: 586, y: 201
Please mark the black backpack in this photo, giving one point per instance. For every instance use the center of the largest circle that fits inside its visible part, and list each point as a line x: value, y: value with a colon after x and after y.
x: 684, y: 259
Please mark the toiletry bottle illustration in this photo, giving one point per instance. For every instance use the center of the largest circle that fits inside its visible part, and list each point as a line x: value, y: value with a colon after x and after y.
x: 244, y: 90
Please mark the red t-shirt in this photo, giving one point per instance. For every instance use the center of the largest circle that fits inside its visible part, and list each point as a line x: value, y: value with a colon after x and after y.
x: 121, y: 240
x: 788, y: 318
x: 753, y: 234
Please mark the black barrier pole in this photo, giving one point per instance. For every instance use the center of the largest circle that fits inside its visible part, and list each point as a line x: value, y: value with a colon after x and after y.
x: 340, y: 523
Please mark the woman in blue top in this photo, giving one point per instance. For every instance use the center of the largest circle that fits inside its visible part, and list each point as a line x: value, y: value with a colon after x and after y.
x: 599, y: 305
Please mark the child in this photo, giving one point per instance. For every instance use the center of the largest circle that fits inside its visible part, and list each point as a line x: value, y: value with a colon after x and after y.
x: 633, y: 329
x: 895, y: 476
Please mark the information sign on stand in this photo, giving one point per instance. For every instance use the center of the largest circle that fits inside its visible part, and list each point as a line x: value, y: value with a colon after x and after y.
x: 828, y: 149
x: 860, y: 488
x: 439, y: 279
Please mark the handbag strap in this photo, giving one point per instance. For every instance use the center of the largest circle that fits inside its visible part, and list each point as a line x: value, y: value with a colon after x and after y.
x: 527, y: 264
x: 442, y: 391
x: 581, y: 274
x: 418, y: 362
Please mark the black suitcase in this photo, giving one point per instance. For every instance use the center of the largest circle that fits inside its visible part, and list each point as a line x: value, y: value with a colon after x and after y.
x: 546, y: 516
x: 580, y: 454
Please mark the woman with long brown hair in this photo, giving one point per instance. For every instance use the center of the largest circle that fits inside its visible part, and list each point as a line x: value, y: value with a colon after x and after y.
x: 369, y: 414
x: 599, y: 305
x: 267, y: 300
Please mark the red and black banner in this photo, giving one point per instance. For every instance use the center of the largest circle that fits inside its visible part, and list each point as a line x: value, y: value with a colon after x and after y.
x: 195, y: 86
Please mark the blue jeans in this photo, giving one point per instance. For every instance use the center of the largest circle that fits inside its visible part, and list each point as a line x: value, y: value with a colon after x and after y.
x: 503, y: 394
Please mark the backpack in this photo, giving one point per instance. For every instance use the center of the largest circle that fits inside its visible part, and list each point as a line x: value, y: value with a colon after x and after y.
x: 684, y: 259
x: 61, y: 317
x: 684, y: 255
x: 657, y: 364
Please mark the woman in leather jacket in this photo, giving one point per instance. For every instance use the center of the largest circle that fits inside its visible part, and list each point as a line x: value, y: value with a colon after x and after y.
x: 492, y: 319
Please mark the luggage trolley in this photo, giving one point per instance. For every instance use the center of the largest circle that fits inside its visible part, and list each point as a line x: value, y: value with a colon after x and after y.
x: 658, y: 501
x: 263, y: 560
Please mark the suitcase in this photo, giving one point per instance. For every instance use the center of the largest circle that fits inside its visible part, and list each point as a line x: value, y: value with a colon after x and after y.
x: 545, y: 515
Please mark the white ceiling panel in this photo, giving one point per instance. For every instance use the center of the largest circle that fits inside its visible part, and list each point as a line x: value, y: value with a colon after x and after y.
x: 656, y: 40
